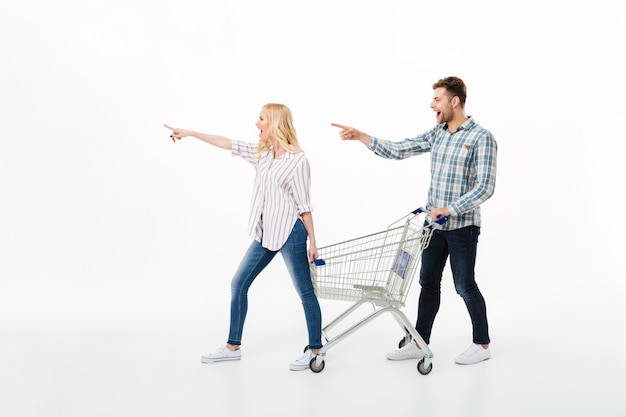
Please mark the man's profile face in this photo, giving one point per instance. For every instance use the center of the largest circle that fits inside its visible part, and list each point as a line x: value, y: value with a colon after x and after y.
x: 442, y: 105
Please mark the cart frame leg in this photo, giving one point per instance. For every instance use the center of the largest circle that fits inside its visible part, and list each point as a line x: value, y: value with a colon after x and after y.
x: 340, y: 318
x: 403, y: 321
x: 400, y: 317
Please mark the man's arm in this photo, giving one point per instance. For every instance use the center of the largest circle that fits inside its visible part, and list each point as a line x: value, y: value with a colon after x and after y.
x: 350, y: 133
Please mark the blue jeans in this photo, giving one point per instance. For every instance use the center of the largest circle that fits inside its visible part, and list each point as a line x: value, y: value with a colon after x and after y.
x: 460, y: 245
x: 294, y: 252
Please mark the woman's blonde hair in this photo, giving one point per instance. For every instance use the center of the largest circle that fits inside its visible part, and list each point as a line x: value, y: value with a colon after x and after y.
x: 281, y: 128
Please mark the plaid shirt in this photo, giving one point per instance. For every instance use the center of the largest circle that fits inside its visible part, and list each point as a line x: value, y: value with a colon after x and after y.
x: 463, y: 168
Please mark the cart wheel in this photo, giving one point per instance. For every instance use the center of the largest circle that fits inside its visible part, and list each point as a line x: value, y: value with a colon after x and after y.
x: 422, y: 369
x: 316, y: 368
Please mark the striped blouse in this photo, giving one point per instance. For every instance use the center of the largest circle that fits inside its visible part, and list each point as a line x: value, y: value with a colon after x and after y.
x: 281, y: 193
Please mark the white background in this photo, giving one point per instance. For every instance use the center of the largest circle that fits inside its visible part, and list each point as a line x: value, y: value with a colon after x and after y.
x: 117, y: 243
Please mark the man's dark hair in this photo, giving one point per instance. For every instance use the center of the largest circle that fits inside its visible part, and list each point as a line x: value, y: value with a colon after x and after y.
x: 454, y: 86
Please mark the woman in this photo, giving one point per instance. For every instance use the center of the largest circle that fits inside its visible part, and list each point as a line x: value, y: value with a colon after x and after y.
x: 280, y: 221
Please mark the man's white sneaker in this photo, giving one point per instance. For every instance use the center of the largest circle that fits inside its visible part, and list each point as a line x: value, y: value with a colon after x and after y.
x: 302, y: 362
x: 222, y: 354
x: 408, y: 351
x: 474, y: 354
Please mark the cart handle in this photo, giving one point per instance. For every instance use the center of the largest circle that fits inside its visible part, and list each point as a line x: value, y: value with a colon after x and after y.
x: 439, y: 220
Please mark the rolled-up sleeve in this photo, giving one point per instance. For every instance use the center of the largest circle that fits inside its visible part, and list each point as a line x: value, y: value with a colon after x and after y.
x: 246, y: 150
x: 302, y: 186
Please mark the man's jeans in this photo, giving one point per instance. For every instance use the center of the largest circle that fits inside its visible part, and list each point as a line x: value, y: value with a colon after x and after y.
x: 460, y: 245
x: 294, y: 252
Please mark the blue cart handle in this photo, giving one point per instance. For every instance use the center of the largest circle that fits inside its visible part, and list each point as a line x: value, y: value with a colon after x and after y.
x: 319, y: 262
x: 439, y: 220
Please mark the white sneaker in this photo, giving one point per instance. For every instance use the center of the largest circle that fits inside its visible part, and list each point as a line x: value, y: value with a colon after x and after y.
x: 222, y: 354
x: 302, y: 362
x: 474, y: 354
x: 408, y: 351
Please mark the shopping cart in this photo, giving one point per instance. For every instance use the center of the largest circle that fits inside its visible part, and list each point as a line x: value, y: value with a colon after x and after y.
x: 376, y: 269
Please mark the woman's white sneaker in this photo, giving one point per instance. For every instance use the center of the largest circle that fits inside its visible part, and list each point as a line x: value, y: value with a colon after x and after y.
x: 474, y: 354
x: 302, y: 362
x: 222, y: 354
x: 408, y: 351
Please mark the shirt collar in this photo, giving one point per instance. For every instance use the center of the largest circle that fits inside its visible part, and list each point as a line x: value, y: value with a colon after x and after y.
x: 469, y: 122
x: 466, y: 125
x: 286, y: 155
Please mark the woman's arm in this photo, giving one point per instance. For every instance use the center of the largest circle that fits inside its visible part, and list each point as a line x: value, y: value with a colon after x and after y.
x: 215, y: 140
x: 307, y: 219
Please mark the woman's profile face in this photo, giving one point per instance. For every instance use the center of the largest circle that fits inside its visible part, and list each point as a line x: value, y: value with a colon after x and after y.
x: 263, y: 124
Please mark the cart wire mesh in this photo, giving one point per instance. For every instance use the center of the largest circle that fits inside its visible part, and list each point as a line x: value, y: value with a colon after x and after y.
x: 376, y: 267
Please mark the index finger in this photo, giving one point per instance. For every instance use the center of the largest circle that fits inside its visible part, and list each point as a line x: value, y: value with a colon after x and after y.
x: 169, y: 127
x: 339, y: 126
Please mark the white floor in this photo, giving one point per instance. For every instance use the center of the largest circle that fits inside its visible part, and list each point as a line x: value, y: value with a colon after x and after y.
x: 116, y: 246
x: 138, y: 354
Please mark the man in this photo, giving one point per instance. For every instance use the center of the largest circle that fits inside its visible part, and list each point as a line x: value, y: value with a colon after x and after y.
x: 463, y: 176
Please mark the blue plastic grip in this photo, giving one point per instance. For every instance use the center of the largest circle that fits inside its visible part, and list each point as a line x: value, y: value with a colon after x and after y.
x: 442, y: 220
x: 319, y: 262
